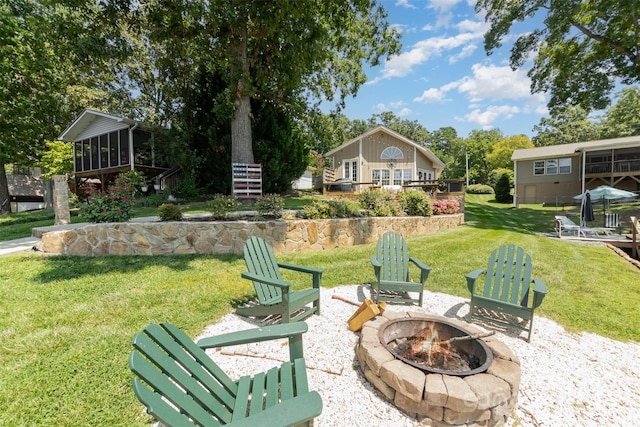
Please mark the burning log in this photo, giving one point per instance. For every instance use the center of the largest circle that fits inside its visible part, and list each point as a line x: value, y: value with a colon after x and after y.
x: 425, y: 347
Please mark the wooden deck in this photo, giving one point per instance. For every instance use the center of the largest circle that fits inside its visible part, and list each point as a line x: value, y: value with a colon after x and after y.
x: 620, y: 241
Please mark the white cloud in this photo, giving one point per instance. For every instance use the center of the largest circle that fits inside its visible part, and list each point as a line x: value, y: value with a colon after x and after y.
x: 443, y: 5
x: 492, y: 82
x: 431, y: 96
x: 397, y: 104
x: 404, y: 112
x: 487, y: 117
x: 464, y: 53
x: 405, y: 3
x: 403, y: 64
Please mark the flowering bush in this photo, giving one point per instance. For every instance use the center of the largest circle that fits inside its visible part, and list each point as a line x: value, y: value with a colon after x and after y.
x: 446, y: 206
x: 108, y: 206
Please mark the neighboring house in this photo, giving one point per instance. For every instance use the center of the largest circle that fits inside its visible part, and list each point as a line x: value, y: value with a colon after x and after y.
x: 305, y: 182
x: 26, y: 189
x: 105, y: 145
x: 382, y: 157
x: 554, y: 174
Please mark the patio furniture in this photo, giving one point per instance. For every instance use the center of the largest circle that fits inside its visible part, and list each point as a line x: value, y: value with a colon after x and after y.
x: 391, y: 268
x: 505, y: 289
x: 274, y: 294
x: 182, y: 386
x: 565, y: 226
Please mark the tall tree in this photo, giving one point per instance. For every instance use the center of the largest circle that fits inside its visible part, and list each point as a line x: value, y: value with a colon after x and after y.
x: 565, y: 127
x: 53, y: 58
x: 583, y: 49
x: 407, y: 128
x: 623, y: 118
x: 477, y: 146
x: 277, y: 51
x: 500, y: 155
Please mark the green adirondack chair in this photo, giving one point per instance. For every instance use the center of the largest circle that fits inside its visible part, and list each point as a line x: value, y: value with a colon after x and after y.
x: 391, y: 268
x: 506, y: 289
x: 182, y: 386
x: 275, y: 296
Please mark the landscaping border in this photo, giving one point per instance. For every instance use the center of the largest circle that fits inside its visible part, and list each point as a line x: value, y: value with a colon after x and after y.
x: 223, y: 237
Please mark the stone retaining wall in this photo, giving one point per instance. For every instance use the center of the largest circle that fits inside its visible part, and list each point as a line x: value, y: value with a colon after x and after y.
x: 222, y: 237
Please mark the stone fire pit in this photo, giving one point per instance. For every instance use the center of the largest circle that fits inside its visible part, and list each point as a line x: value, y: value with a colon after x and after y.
x: 480, y: 399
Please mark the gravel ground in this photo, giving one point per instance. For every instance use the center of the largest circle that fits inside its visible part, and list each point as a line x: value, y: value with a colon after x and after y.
x: 567, y: 379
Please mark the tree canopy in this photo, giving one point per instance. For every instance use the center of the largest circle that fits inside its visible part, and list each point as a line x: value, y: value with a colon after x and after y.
x: 583, y: 49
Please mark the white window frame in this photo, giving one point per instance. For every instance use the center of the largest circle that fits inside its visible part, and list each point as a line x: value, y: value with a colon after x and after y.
x: 538, y: 167
x: 381, y: 176
x: 564, y: 169
x: 350, y: 169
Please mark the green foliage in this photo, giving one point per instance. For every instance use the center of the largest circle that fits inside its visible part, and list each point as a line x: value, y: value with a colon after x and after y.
x: 270, y: 205
x: 57, y: 159
x: 323, y: 209
x: 279, y: 146
x: 152, y: 200
x: 379, y: 202
x: 186, y: 188
x: 569, y: 125
x: 496, y: 174
x: 113, y: 205
x: 169, y: 212
x: 583, y: 48
x: 415, y: 203
x: 503, y: 189
x: 130, y: 181
x: 480, y: 189
x: 221, y: 206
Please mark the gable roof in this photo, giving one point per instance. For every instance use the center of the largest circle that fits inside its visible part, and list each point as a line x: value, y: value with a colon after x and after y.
x: 84, y: 121
x: 574, y: 148
x: 424, y: 150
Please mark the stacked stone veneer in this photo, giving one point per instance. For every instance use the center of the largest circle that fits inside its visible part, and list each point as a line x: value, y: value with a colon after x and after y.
x: 485, y: 399
x: 222, y: 237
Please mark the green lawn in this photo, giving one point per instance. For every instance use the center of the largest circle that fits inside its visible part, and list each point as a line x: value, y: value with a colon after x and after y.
x: 66, y: 322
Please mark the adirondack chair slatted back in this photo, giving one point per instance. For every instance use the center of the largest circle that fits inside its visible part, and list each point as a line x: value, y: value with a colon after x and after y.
x: 393, y: 254
x: 508, y: 275
x: 259, y: 258
x: 171, y: 363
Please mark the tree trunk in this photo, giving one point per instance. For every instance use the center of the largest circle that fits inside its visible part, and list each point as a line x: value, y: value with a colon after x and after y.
x: 5, y: 203
x: 241, y: 143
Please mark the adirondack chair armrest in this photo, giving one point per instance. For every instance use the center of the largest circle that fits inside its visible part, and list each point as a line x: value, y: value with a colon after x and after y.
x: 539, y: 291
x: 256, y: 277
x: 377, y: 265
x: 288, y: 412
x: 472, y: 277
x: 424, y: 268
x: 316, y: 273
x: 292, y: 331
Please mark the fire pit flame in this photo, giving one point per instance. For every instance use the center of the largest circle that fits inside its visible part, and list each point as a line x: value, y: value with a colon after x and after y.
x: 436, y: 346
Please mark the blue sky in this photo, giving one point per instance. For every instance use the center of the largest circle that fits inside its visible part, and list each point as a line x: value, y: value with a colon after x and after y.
x: 443, y: 76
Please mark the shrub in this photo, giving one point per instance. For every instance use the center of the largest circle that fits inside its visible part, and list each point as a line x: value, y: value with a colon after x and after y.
x: 152, y: 200
x: 108, y: 206
x: 221, y: 206
x: 479, y: 189
x: 446, y: 206
x: 415, y: 203
x: 323, y: 209
x: 130, y: 182
x: 503, y: 189
x: 270, y: 205
x: 169, y: 212
x: 378, y: 202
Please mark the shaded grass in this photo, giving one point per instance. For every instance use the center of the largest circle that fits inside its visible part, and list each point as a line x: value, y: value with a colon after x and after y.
x: 66, y: 323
